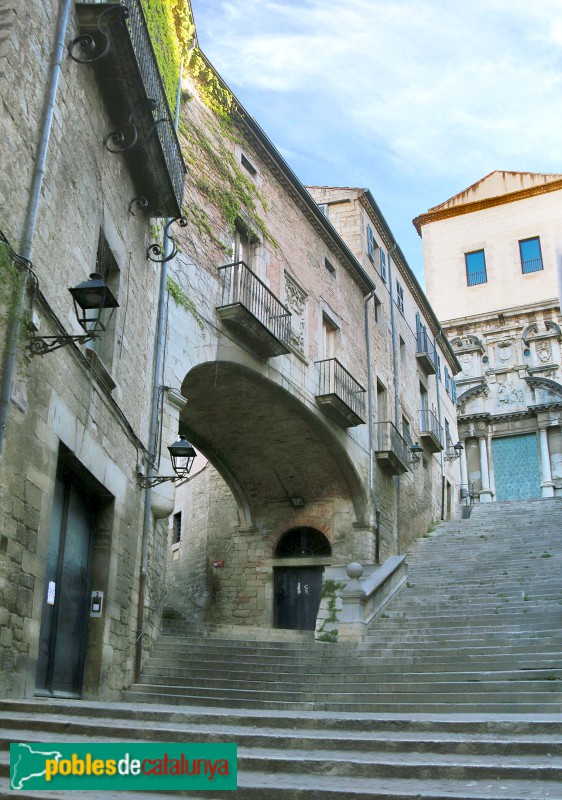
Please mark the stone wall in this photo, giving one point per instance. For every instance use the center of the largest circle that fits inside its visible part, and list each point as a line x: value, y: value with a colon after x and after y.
x: 67, y: 405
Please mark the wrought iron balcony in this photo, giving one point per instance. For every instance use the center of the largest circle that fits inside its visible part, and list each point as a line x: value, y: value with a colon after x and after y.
x: 426, y: 352
x: 474, y: 278
x: 391, y: 449
x: 431, y: 431
x: 114, y: 40
x: 339, y: 395
x: 253, y: 312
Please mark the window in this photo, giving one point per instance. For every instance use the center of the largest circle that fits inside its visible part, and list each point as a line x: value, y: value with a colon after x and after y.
x: 531, y: 257
x: 176, y: 528
x: 107, y: 267
x: 371, y: 244
x: 329, y: 333
x: 406, y: 431
x: 382, y: 263
x: 378, y: 309
x: 400, y: 297
x: 329, y: 266
x: 245, y: 246
x: 402, y: 344
x: 248, y: 166
x: 453, y: 390
x: 475, y: 268
x: 448, y: 440
x: 447, y: 381
x: 323, y: 208
x: 381, y: 402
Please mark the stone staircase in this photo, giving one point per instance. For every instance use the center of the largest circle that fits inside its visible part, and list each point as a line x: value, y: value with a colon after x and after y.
x: 478, y: 628
x: 456, y: 692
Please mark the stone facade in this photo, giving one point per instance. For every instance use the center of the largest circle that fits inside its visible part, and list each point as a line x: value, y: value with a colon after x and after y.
x: 78, y: 420
x: 286, y: 433
x: 505, y: 328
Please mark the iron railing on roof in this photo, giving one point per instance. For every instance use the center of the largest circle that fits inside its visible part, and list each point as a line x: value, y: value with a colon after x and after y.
x: 154, y: 87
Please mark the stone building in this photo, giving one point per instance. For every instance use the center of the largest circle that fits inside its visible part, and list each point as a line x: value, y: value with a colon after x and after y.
x: 89, y: 156
x: 299, y: 322
x: 492, y: 263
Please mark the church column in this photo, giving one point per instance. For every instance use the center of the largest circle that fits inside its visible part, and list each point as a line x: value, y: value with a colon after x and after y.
x: 547, y: 485
x: 485, y: 491
x: 464, y: 469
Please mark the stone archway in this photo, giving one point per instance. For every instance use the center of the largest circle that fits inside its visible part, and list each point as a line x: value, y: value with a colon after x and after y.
x: 286, y: 468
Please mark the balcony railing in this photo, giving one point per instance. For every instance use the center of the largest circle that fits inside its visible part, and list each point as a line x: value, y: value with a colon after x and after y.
x: 114, y: 39
x: 531, y: 265
x: 431, y: 431
x: 340, y: 396
x: 253, y: 312
x: 474, y: 278
x: 426, y: 352
x: 392, y: 451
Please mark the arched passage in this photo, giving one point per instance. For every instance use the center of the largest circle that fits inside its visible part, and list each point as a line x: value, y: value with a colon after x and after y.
x: 268, y: 445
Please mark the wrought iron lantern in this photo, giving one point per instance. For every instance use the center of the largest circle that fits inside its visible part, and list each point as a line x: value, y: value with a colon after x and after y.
x: 454, y: 452
x: 182, y: 455
x: 94, y: 305
x: 416, y: 453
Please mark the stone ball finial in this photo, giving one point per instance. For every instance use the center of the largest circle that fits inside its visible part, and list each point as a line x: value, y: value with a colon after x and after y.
x: 354, y: 570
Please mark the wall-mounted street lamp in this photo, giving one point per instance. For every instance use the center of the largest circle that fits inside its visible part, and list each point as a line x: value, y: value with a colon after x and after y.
x: 182, y: 454
x: 94, y: 305
x: 454, y: 452
x: 416, y: 453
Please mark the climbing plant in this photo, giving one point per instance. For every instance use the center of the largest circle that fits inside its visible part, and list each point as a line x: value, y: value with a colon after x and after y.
x: 171, y: 29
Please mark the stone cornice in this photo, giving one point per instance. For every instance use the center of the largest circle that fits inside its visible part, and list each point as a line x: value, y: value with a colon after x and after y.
x: 487, y: 202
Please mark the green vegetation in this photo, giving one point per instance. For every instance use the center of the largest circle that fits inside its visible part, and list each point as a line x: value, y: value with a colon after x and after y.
x: 171, y: 30
x: 183, y: 300
x: 330, y: 589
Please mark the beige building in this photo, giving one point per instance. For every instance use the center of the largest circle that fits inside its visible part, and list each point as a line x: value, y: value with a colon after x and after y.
x: 492, y: 259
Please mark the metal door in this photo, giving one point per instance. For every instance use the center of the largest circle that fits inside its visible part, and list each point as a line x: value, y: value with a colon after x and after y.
x: 297, y: 597
x: 516, y: 467
x: 60, y: 663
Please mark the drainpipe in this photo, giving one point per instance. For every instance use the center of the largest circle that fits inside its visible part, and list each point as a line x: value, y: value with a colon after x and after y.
x: 9, y: 367
x: 396, y: 386
x: 372, y: 491
x: 153, y: 436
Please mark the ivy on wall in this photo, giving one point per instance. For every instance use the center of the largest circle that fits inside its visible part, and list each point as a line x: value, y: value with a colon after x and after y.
x: 171, y: 29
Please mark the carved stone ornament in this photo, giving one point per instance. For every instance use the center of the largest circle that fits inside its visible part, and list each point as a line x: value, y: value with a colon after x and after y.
x: 466, y: 360
x: 467, y: 344
x: 295, y: 300
x: 544, y: 351
x: 510, y: 395
x: 505, y: 352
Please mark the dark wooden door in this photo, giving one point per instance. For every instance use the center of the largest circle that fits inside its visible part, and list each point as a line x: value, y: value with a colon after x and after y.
x: 64, y: 618
x: 297, y: 597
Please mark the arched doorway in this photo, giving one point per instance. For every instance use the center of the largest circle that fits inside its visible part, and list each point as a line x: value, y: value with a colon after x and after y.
x: 297, y: 588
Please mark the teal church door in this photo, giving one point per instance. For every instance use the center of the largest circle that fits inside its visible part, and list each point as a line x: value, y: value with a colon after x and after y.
x: 516, y: 467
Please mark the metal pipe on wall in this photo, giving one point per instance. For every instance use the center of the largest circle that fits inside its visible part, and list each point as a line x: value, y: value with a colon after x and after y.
x: 30, y: 222
x: 371, y: 431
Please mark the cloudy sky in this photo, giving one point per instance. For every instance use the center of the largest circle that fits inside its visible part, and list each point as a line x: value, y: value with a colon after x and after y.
x: 414, y: 99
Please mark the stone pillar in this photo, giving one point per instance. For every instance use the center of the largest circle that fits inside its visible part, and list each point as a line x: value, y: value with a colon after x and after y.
x: 485, y: 491
x: 547, y: 485
x: 464, y: 468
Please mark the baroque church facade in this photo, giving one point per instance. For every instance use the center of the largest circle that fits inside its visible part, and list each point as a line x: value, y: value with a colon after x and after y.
x: 492, y: 263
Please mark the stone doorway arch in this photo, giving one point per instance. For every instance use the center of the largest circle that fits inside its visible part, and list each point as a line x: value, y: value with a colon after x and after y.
x: 298, y: 587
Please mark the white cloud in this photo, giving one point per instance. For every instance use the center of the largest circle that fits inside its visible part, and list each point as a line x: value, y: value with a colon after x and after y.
x: 440, y: 91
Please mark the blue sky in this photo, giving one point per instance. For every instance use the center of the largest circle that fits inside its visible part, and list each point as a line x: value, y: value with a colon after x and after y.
x: 413, y: 99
